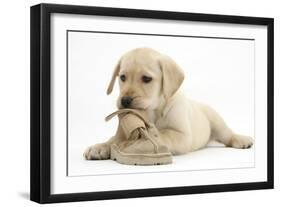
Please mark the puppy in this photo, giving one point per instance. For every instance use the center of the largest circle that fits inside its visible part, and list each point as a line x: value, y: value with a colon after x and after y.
x: 149, y: 80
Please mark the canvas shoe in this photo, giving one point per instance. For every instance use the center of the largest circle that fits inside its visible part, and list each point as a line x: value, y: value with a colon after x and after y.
x: 142, y: 145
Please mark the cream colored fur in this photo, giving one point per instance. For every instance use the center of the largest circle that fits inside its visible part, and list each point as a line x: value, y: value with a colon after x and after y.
x: 184, y: 125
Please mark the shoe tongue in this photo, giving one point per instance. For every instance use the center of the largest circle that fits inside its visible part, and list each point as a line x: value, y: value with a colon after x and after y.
x: 131, y: 123
x: 134, y: 125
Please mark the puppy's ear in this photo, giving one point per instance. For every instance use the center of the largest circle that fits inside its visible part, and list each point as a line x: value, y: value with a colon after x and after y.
x: 172, y: 76
x: 113, y: 78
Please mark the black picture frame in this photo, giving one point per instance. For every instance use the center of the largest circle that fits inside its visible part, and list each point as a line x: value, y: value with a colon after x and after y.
x: 41, y: 99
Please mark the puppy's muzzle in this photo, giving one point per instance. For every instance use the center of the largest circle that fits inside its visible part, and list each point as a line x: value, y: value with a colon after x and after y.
x: 126, y: 101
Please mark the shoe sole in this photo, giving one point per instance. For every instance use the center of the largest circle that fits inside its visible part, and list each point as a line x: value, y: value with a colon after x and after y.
x: 140, y: 159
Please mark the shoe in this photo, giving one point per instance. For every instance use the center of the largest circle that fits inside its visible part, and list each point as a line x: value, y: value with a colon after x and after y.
x: 142, y: 146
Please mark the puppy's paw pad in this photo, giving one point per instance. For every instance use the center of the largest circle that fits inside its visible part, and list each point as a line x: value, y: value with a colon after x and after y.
x: 242, y: 142
x: 97, y: 152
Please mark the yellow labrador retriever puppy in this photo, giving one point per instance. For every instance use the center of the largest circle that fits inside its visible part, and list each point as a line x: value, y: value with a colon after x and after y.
x: 149, y: 80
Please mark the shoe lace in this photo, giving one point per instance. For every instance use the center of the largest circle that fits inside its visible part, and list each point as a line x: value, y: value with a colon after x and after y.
x: 144, y: 133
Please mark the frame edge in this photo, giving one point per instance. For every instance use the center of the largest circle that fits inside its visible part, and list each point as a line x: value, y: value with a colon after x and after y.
x: 156, y: 14
x: 270, y: 103
x: 40, y: 100
x: 35, y: 25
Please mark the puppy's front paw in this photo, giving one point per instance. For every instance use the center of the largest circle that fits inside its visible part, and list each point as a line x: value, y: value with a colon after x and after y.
x: 97, y: 152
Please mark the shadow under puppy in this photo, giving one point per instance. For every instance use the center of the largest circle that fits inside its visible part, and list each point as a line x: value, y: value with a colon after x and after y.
x: 150, y: 81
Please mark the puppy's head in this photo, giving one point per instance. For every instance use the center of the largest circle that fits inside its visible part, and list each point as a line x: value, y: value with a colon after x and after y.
x: 145, y: 78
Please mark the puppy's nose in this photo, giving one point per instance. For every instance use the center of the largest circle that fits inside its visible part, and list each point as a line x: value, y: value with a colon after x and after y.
x: 126, y: 101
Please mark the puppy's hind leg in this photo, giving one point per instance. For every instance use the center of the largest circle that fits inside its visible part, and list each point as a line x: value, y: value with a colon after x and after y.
x: 223, y: 134
x: 240, y: 141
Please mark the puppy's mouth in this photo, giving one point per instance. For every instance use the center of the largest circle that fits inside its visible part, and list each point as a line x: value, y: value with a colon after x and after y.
x: 136, y: 103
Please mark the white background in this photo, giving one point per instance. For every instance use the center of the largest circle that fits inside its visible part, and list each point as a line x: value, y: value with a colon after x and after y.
x: 218, y: 72
x: 15, y: 102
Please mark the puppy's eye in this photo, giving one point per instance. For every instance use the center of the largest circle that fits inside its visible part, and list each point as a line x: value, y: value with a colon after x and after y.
x: 146, y: 79
x: 122, y: 78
